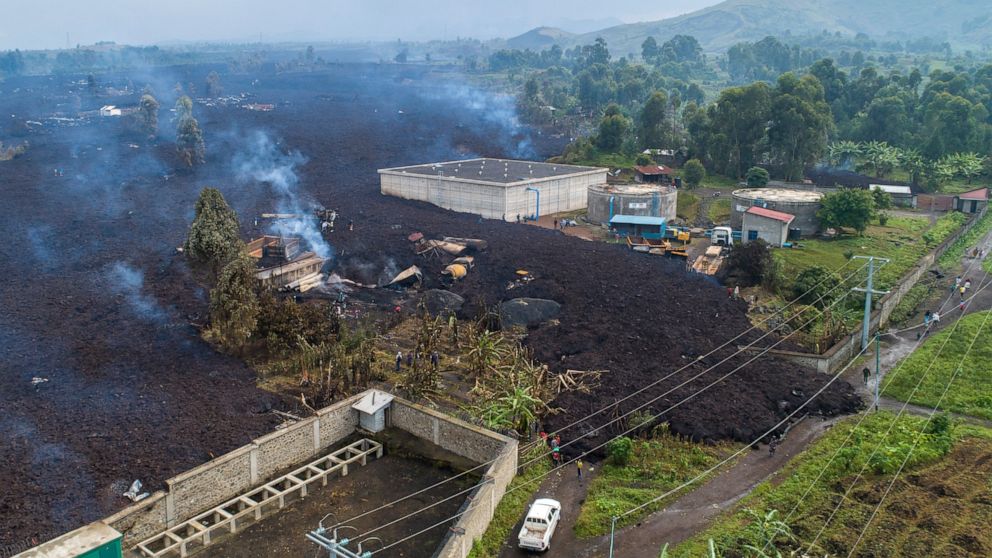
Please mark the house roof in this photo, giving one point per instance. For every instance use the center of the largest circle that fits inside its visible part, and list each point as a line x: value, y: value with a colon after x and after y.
x: 771, y: 214
x: 373, y: 402
x: 653, y: 169
x: 979, y: 194
x: 637, y: 220
x: 892, y: 189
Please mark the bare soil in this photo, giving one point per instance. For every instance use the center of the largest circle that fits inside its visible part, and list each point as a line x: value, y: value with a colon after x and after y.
x: 133, y: 392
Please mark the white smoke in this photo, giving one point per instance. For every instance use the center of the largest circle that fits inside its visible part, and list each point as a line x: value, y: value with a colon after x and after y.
x: 262, y: 160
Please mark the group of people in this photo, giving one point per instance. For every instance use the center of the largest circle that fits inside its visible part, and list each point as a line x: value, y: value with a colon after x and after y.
x: 412, y: 357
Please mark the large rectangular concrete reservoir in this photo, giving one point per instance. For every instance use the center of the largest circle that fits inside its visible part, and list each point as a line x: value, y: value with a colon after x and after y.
x: 495, y: 188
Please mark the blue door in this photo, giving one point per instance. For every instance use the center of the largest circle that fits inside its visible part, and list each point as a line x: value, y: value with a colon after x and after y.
x: 752, y: 235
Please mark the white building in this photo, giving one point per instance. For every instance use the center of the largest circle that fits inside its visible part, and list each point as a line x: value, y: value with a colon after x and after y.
x: 902, y: 196
x: 495, y: 188
x: 109, y: 110
x: 767, y: 224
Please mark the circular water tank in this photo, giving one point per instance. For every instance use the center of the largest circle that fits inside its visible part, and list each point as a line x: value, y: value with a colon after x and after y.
x: 802, y: 203
x: 646, y: 200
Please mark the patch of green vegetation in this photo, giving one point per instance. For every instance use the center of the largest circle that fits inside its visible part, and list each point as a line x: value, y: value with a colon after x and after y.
x: 513, y: 504
x: 951, y: 258
x: 687, y: 206
x: 938, y: 359
x: 814, y: 481
x: 898, y: 241
x: 655, y: 466
x: 911, y: 301
x: 945, y: 226
x: 719, y: 210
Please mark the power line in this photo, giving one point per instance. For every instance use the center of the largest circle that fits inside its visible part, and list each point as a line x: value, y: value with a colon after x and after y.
x: 878, y: 379
x: 616, y: 404
x: 885, y: 435
x: 654, y: 417
x: 923, y: 429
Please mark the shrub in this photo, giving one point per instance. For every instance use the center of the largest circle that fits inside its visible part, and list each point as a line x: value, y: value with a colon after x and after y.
x: 756, y: 177
x: 693, y: 173
x: 620, y: 450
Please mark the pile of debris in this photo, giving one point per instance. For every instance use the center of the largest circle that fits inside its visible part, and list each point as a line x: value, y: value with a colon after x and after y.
x: 283, y: 264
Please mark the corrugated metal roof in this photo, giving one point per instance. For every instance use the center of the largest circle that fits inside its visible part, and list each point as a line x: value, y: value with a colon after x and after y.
x: 892, y: 189
x: 979, y: 194
x: 771, y: 214
x: 637, y: 220
x: 652, y: 169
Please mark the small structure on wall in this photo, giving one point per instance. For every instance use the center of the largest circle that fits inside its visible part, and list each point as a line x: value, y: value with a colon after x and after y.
x: 974, y: 201
x: 767, y: 224
x: 372, y: 409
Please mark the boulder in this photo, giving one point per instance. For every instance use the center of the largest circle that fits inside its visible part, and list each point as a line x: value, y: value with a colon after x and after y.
x: 441, y: 303
x: 527, y: 312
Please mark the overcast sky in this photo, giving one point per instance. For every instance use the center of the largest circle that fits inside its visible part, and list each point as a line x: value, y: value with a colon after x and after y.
x: 32, y: 24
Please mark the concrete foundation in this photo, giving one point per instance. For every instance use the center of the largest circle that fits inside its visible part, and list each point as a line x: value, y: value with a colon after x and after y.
x: 645, y: 200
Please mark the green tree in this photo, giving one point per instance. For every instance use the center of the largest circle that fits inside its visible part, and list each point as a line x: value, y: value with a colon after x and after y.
x: 800, y: 122
x: 650, y: 50
x: 189, y: 137
x: 214, y: 87
x: 756, y: 177
x: 620, y: 450
x: 882, y: 199
x: 736, y: 127
x: 850, y: 208
x: 814, y: 285
x: 213, y: 236
x: 652, y: 126
x: 234, y: 304
x: 148, y: 114
x: 612, y: 129
x: 184, y: 107
x: 693, y: 173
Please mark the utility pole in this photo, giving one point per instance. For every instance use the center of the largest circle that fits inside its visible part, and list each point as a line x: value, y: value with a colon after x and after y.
x: 865, y: 323
x: 338, y: 548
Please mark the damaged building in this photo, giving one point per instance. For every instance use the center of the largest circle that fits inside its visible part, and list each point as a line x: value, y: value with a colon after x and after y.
x: 495, y: 188
x: 282, y: 263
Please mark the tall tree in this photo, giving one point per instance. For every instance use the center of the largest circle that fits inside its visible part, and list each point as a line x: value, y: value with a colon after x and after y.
x: 652, y: 126
x: 650, y: 50
x: 738, y: 121
x: 693, y: 173
x: 189, y: 137
x: 213, y: 236
x: 148, y: 114
x: 234, y: 304
x: 214, y: 87
x: 850, y: 208
x: 612, y: 129
x: 800, y: 122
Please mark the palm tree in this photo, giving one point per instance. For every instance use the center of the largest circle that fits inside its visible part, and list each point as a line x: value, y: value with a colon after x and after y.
x: 487, y: 349
x: 841, y: 153
x: 913, y: 163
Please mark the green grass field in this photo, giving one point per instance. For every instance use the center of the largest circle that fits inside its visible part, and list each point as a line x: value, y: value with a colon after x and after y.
x: 899, y: 241
x: 719, y: 210
x: 687, y: 205
x: 656, y: 466
x: 940, y: 506
x: 935, y: 362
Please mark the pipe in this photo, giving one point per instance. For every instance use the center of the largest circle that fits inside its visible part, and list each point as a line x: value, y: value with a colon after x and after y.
x: 611, y: 207
x: 537, y: 212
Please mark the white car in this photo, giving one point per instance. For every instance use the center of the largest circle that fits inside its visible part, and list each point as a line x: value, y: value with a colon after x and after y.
x: 539, y: 525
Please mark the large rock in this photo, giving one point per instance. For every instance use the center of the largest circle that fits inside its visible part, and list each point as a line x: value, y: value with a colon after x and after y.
x: 442, y: 303
x: 527, y: 312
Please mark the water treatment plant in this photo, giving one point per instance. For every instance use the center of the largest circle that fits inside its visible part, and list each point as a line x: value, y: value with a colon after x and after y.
x: 642, y: 200
x: 803, y: 204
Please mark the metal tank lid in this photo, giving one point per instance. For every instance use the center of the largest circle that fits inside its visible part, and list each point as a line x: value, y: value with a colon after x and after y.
x: 633, y: 189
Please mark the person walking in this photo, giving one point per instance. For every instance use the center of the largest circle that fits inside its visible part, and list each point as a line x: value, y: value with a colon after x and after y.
x: 967, y: 284
x: 927, y: 316
x: 399, y: 360
x: 957, y: 281
x: 737, y: 292
x: 409, y: 359
x: 578, y: 467
x: 556, y: 224
x: 435, y: 360
x: 936, y: 318
x: 867, y: 374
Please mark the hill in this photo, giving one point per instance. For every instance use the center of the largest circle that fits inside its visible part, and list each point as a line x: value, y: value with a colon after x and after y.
x: 540, y: 37
x: 963, y: 23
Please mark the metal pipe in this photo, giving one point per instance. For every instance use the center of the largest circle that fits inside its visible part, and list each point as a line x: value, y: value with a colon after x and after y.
x: 611, y: 207
x: 537, y: 212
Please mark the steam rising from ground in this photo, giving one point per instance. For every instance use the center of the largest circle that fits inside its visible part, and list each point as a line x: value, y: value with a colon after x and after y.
x: 262, y: 160
x: 129, y: 282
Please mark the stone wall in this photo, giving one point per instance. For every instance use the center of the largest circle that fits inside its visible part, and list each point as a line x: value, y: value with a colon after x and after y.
x: 233, y: 473
x: 471, y: 442
x: 844, y: 350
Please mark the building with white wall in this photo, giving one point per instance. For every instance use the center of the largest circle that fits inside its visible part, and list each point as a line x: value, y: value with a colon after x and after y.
x: 495, y: 188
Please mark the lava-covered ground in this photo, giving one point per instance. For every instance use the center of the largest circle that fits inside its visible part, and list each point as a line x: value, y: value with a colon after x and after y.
x: 97, y: 301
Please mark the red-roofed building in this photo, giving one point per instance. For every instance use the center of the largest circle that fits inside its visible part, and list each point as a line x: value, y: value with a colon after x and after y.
x: 767, y: 224
x: 974, y: 201
x: 653, y: 173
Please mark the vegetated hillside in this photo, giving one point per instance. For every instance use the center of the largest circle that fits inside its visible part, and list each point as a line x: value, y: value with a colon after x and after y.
x: 963, y: 23
x: 539, y: 37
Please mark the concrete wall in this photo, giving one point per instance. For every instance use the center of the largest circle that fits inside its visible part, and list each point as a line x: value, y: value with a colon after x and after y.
x: 842, y: 351
x: 225, y: 477
x: 805, y: 213
x: 471, y: 442
x: 772, y: 231
x: 566, y: 193
x: 657, y: 204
